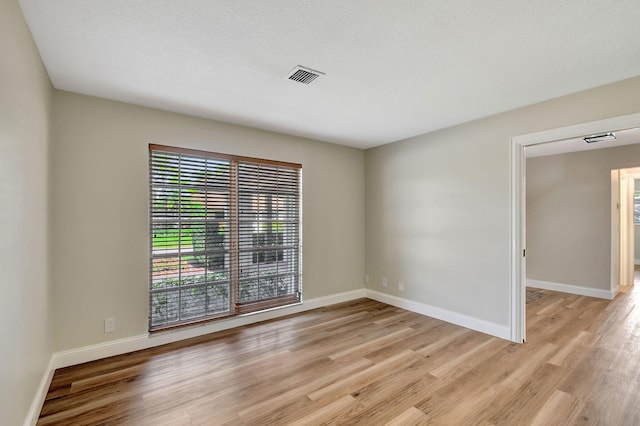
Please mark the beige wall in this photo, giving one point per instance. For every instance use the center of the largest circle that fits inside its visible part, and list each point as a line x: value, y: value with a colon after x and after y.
x: 438, y: 205
x: 569, y: 215
x: 100, y: 209
x: 25, y: 94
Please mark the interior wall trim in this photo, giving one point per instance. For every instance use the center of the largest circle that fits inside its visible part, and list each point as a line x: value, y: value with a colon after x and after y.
x: 517, y: 201
x: 144, y: 341
x: 41, y: 394
x: 494, y: 329
x: 573, y: 289
x: 134, y: 343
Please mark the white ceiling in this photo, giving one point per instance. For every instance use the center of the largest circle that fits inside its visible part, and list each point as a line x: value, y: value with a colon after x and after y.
x: 394, y: 69
x: 623, y: 137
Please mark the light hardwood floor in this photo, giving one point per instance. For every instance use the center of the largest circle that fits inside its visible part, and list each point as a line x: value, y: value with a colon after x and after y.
x: 365, y: 362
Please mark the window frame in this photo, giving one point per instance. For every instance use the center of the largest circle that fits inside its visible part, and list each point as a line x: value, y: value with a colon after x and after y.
x: 235, y: 245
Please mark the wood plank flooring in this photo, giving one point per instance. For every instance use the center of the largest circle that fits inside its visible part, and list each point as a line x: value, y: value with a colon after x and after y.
x: 365, y: 362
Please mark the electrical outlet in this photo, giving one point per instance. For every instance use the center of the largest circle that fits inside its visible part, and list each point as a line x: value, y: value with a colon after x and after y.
x: 366, y: 278
x: 384, y: 282
x: 401, y: 286
x: 109, y: 325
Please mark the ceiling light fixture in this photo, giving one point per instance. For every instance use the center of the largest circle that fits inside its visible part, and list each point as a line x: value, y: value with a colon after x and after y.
x: 600, y: 138
x: 303, y: 74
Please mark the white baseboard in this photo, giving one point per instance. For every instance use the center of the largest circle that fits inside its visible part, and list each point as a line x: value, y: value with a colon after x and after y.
x: 573, y: 289
x: 41, y: 394
x: 144, y: 341
x: 615, y: 291
x: 498, y: 330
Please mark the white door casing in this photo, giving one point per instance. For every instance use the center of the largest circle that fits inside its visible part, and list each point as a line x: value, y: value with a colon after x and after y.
x: 518, y: 234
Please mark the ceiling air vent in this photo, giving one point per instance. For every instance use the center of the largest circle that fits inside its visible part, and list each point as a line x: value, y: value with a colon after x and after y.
x: 303, y: 75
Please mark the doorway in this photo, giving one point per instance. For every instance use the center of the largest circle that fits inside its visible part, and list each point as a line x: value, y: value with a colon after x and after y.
x: 518, y: 234
x: 628, y: 210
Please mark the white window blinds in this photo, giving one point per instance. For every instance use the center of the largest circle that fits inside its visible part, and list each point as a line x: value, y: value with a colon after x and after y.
x: 224, y: 235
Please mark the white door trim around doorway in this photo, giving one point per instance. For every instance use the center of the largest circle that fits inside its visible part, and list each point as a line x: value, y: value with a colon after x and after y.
x: 625, y: 222
x: 518, y: 235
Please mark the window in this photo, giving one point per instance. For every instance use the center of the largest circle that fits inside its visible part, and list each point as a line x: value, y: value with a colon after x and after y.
x: 636, y: 208
x: 224, y: 235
